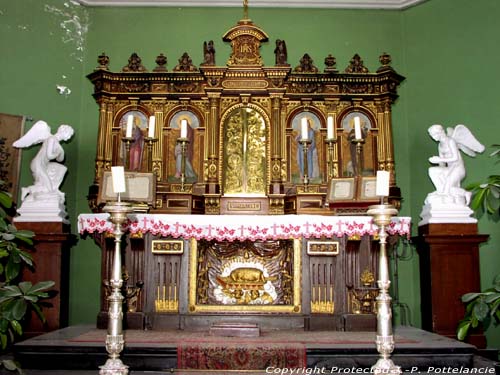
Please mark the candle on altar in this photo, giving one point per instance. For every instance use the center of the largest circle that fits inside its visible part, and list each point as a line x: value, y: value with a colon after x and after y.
x: 130, y: 123
x: 164, y: 293
x: 382, y: 185
x: 175, y: 292
x: 330, y: 129
x: 357, y: 128
x: 118, y: 175
x: 151, y: 128
x: 183, y: 128
x: 304, y: 129
x: 158, y: 293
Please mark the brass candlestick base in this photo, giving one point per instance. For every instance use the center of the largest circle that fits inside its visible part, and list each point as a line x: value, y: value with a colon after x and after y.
x: 330, y: 168
x: 359, y: 156
x: 183, y: 142
x: 127, y: 141
x: 305, y: 146
x: 114, y: 339
x: 149, y: 142
x: 382, y: 214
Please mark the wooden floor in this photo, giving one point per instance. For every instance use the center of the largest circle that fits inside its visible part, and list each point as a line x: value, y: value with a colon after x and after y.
x: 81, y: 350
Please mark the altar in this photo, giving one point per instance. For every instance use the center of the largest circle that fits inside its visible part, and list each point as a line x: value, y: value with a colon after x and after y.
x: 249, y: 186
x: 282, y: 271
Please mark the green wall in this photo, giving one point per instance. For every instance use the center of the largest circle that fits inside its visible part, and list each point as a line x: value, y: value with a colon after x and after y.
x: 450, y: 51
x: 444, y: 48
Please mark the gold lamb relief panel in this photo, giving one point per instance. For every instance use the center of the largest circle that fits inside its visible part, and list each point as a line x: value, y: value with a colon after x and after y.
x: 262, y: 276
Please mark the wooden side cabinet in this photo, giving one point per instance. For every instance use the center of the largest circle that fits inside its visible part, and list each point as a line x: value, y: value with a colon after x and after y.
x: 449, y: 268
x: 50, y: 254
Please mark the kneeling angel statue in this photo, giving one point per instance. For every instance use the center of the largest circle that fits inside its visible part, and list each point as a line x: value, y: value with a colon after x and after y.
x: 43, y: 200
x: 449, y: 202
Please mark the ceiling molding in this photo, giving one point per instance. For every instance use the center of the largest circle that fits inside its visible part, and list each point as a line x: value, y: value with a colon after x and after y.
x: 342, y: 4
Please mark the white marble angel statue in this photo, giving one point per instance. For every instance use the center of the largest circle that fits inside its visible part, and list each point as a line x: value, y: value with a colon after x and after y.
x: 46, y: 167
x: 450, y: 200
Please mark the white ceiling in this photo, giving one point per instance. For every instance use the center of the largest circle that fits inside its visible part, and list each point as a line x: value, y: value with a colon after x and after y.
x: 346, y: 4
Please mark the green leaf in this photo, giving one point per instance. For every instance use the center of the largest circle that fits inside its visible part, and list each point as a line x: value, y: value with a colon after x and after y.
x: 38, y: 312
x: 494, y: 307
x: 469, y: 297
x: 481, y: 310
x: 463, y: 329
x: 10, y: 291
x: 496, y: 280
x: 19, y: 309
x: 17, y: 327
x: 12, y: 269
x: 42, y: 285
x: 25, y: 286
x: 26, y: 257
x: 3, y: 340
x: 9, y: 364
x: 492, y: 297
x: 478, y: 199
x: 5, y: 199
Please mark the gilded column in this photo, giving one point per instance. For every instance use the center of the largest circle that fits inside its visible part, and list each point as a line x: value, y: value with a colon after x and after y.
x: 385, y: 149
x: 212, y: 177
x: 158, y: 106
x: 101, y: 137
x: 389, y: 146
x: 276, y: 136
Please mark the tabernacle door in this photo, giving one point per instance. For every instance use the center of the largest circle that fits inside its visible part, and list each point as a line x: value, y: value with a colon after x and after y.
x: 244, y: 148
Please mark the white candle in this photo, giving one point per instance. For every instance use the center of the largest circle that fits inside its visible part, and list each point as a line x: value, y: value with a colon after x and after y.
x: 118, y: 174
x: 329, y: 128
x: 304, y: 129
x: 184, y: 128
x: 151, y: 128
x: 130, y: 123
x: 357, y: 128
x: 382, y: 186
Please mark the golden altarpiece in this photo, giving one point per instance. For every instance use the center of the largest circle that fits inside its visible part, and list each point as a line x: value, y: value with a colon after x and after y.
x: 243, y: 157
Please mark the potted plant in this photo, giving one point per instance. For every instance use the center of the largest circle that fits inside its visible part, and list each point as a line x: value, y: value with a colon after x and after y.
x: 17, y: 298
x: 483, y: 307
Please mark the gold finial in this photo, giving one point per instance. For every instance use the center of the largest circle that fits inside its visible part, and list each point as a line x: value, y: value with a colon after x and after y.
x: 367, y: 277
x: 245, y: 9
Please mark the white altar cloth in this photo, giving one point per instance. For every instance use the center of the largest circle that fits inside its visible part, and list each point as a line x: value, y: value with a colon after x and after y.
x: 244, y: 227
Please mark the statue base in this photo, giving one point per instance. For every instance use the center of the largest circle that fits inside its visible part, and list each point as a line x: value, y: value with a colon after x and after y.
x: 440, y: 213
x: 46, y: 208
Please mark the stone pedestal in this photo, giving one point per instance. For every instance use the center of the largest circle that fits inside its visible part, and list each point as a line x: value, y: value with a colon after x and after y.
x: 449, y: 268
x: 50, y: 254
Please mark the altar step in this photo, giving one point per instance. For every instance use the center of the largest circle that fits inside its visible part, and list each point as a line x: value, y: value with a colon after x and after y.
x: 82, y: 348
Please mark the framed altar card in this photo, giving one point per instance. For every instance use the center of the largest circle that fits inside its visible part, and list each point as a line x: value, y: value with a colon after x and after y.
x: 367, y: 188
x: 341, y: 190
x: 140, y: 187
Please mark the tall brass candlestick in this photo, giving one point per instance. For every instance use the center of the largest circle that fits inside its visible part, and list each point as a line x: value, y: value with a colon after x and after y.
x: 305, y: 146
x: 329, y: 161
x: 359, y: 155
x: 382, y: 214
x: 149, y: 142
x: 114, y: 339
x: 127, y: 141
x: 183, y: 143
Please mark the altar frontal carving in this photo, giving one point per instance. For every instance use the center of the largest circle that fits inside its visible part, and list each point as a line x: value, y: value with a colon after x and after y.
x: 253, y: 276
